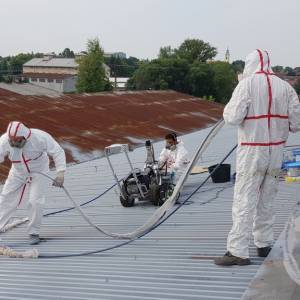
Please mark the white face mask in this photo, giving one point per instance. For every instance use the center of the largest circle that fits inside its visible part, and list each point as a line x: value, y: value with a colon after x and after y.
x: 17, y: 144
x: 170, y: 147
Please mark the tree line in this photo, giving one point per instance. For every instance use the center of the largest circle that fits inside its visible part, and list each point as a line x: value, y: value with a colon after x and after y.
x: 190, y: 68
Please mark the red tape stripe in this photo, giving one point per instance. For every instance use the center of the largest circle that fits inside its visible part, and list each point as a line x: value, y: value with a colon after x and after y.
x: 264, y: 72
x: 261, y: 60
x: 263, y: 144
x: 22, y: 193
x: 25, y: 162
x: 270, y: 101
x: 28, y: 134
x: 17, y: 128
x: 266, y: 116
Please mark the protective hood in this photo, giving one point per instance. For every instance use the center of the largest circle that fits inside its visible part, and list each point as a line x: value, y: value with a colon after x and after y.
x: 257, y: 61
x: 18, y: 129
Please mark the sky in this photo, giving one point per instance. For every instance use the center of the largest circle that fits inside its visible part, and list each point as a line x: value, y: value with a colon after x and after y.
x: 140, y: 27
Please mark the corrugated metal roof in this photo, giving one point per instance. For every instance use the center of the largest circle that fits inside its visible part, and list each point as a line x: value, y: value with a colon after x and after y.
x: 15, y: 91
x: 89, y: 122
x: 175, y: 261
x: 52, y: 62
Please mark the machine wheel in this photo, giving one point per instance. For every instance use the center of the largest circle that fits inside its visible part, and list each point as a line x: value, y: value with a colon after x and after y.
x: 128, y: 201
x: 155, y: 195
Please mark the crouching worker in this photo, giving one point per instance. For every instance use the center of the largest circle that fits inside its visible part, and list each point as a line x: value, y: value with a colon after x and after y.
x: 174, y: 157
x: 28, y: 150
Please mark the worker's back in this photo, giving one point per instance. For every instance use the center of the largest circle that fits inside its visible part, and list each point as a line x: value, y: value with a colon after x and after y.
x: 267, y: 119
x: 265, y: 107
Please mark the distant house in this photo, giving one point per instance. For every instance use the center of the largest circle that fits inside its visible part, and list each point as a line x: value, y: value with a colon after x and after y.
x: 55, y: 73
x: 115, y: 54
x: 119, y: 83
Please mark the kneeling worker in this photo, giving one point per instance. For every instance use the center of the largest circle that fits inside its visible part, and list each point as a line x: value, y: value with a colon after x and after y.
x: 174, y: 157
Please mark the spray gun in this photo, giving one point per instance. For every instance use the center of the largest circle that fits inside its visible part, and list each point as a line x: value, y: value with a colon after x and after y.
x: 150, y: 160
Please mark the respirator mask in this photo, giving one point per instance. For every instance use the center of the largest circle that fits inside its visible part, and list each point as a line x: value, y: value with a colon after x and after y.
x: 170, y: 146
x: 17, y: 142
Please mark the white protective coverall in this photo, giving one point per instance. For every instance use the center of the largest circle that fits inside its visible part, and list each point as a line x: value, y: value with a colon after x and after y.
x: 33, y: 157
x: 265, y: 108
x: 176, y: 160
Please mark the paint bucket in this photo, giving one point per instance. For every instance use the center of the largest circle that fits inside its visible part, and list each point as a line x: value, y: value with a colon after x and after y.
x: 222, y: 174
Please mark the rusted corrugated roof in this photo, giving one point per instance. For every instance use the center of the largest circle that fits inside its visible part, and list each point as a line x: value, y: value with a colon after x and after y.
x: 4, y: 92
x: 93, y: 121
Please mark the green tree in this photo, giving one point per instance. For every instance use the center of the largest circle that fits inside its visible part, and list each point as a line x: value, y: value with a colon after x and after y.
x: 166, y: 52
x: 160, y: 74
x: 289, y: 71
x: 200, y: 79
x: 195, y: 49
x: 122, y: 67
x: 277, y: 69
x: 67, y: 53
x: 238, y: 66
x: 91, y: 72
x: 297, y: 86
x: 186, y: 70
x: 16, y: 62
x: 224, y: 81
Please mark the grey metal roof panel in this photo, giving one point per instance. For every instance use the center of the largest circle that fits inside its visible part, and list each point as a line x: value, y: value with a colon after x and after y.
x: 175, y: 261
x: 53, y: 62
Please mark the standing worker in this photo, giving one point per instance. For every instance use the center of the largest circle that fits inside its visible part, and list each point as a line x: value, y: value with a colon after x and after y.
x: 265, y: 108
x: 28, y: 150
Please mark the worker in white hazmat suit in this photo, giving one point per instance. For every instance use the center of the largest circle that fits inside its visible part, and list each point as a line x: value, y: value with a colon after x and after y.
x: 174, y: 156
x: 28, y: 151
x: 265, y: 108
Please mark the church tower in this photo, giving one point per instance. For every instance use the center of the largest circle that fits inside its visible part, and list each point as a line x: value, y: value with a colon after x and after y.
x: 227, y: 56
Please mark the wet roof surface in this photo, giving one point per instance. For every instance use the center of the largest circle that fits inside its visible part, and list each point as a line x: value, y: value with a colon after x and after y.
x: 85, y: 124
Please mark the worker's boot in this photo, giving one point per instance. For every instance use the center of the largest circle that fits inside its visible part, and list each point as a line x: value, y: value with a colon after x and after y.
x: 263, y: 252
x: 34, y: 239
x: 229, y: 260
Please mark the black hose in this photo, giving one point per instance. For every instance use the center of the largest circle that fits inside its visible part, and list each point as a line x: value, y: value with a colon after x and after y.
x: 85, y: 203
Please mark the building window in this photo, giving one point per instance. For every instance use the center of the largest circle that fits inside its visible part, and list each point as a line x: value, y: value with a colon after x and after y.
x: 42, y: 80
x: 50, y: 80
x: 33, y: 79
x: 58, y: 81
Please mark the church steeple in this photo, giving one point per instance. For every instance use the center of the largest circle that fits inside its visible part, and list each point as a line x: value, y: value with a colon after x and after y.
x: 227, y: 55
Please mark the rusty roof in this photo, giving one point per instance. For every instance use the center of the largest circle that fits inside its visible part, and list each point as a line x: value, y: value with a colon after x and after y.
x: 93, y: 121
x: 4, y: 92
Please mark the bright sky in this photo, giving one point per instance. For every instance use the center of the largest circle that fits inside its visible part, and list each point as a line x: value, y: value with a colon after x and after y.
x: 140, y: 27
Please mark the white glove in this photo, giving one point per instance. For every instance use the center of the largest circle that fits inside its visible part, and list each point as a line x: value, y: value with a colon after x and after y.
x: 59, y: 180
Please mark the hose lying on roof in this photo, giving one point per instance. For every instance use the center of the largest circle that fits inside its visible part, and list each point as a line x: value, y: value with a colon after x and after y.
x: 45, y: 255
x: 18, y: 222
x: 160, y: 212
x: 156, y: 219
